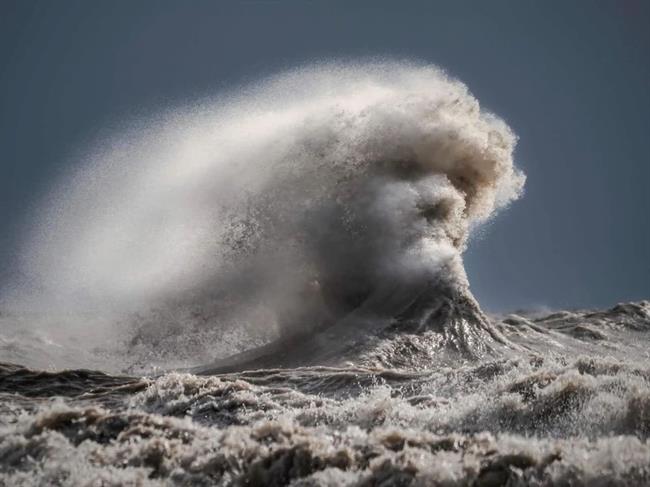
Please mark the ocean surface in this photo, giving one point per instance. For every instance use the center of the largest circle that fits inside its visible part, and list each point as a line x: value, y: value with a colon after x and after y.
x: 570, y: 405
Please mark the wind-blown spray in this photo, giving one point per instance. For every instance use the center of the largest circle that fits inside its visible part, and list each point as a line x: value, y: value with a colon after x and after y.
x: 337, y: 196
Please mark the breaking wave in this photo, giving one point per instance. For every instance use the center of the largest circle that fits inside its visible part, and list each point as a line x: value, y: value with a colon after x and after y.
x: 334, y: 197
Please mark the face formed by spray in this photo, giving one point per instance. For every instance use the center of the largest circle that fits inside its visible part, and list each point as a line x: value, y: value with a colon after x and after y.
x: 299, y: 199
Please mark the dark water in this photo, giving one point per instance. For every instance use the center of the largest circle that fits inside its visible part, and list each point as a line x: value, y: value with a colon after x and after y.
x: 567, y: 402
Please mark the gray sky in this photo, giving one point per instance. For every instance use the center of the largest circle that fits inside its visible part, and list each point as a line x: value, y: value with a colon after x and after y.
x: 572, y: 78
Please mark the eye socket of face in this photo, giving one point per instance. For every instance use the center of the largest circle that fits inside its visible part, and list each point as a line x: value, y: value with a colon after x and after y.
x: 435, y: 211
x: 404, y: 169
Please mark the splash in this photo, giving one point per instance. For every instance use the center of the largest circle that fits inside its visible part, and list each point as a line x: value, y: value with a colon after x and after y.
x: 332, y: 197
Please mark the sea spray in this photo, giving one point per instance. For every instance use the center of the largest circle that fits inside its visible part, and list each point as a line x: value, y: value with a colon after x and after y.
x: 328, y: 196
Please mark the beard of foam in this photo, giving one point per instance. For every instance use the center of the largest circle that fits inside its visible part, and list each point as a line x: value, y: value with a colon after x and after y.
x: 290, y: 202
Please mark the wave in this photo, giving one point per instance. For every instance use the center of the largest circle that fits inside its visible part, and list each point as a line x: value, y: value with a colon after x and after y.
x: 311, y: 211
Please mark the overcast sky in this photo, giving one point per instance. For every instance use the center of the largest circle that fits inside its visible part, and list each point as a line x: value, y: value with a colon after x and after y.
x: 572, y: 78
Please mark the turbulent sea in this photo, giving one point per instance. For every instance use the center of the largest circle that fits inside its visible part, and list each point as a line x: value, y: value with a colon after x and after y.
x: 267, y: 288
x: 571, y: 408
